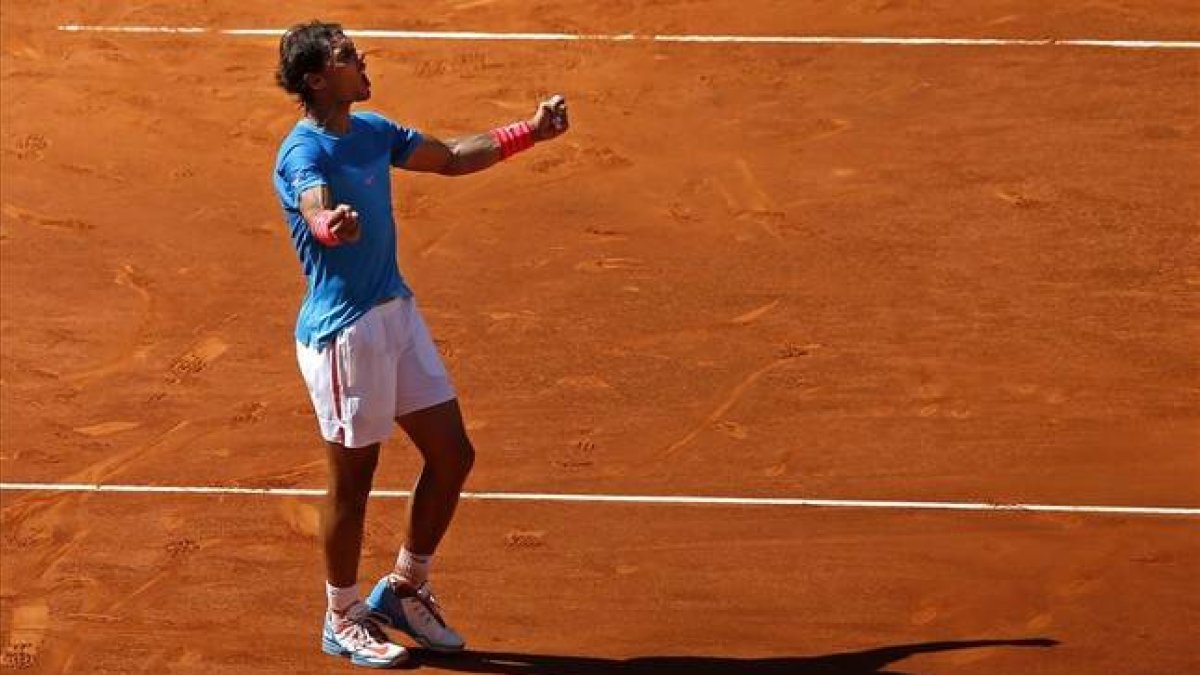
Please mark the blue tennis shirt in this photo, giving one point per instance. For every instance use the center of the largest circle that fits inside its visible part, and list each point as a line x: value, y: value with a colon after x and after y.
x: 344, y: 282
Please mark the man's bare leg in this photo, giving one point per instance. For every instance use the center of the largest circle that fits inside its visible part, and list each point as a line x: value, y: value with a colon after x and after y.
x: 351, y: 471
x: 441, y: 438
x: 349, y: 630
x: 403, y: 598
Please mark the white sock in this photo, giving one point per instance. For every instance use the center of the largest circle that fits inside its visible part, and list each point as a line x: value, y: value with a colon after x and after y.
x: 340, y: 599
x: 412, y: 567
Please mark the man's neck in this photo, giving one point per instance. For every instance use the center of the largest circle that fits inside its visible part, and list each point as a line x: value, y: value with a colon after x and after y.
x: 334, y: 118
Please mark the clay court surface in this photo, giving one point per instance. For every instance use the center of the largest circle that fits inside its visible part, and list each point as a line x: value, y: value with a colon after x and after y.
x: 929, y: 273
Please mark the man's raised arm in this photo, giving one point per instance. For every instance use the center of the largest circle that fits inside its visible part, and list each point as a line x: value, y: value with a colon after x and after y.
x: 461, y: 156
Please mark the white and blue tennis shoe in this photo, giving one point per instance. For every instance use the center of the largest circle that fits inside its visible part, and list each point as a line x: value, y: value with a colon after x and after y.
x: 356, y: 635
x: 414, y: 610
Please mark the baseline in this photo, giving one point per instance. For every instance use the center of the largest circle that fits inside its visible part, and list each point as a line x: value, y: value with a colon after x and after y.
x: 631, y: 37
x: 625, y: 499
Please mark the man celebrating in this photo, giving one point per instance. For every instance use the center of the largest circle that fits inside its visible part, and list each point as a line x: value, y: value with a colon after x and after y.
x: 362, y: 346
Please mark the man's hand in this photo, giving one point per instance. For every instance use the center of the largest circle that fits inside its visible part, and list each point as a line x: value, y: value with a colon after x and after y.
x: 550, y: 120
x: 331, y: 227
x: 343, y: 224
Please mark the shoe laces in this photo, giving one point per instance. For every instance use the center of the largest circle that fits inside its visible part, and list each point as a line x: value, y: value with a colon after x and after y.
x: 427, y: 605
x: 356, y: 627
x: 426, y: 594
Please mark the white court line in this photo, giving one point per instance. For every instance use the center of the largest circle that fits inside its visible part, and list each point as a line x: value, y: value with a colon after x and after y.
x: 630, y: 37
x: 622, y: 499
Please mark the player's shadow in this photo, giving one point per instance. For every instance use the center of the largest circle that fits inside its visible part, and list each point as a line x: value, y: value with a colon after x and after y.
x: 868, y: 662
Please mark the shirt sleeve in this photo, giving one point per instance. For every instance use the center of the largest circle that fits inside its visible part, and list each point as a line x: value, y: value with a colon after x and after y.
x: 404, y: 141
x: 301, y: 170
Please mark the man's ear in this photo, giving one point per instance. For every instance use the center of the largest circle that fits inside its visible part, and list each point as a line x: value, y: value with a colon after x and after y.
x: 314, y: 81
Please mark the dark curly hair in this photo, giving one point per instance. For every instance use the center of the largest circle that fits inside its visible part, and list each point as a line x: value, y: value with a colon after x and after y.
x: 305, y: 48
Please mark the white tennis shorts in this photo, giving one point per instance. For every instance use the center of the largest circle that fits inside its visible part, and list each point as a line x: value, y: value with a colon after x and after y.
x: 380, y: 367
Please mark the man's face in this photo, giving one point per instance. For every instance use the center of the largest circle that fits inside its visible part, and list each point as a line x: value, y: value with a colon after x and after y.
x: 345, y: 74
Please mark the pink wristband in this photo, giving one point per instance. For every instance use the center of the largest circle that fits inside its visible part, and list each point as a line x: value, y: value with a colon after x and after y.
x: 513, y: 138
x: 320, y: 229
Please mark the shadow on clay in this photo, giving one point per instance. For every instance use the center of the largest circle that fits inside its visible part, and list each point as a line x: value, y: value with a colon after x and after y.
x: 867, y: 662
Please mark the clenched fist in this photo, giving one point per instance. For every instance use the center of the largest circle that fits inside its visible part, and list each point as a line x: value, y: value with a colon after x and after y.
x: 550, y: 120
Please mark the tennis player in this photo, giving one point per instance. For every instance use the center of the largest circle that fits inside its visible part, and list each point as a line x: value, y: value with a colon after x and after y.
x: 362, y: 346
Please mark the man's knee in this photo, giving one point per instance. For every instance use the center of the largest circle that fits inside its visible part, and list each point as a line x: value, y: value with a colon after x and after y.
x: 455, y: 460
x: 468, y: 458
x: 463, y: 458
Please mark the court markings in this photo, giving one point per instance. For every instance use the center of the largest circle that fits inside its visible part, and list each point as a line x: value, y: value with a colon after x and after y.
x: 643, y: 499
x: 631, y: 37
x: 625, y: 499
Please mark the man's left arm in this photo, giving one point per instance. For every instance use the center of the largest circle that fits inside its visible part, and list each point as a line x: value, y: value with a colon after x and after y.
x: 469, y: 154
